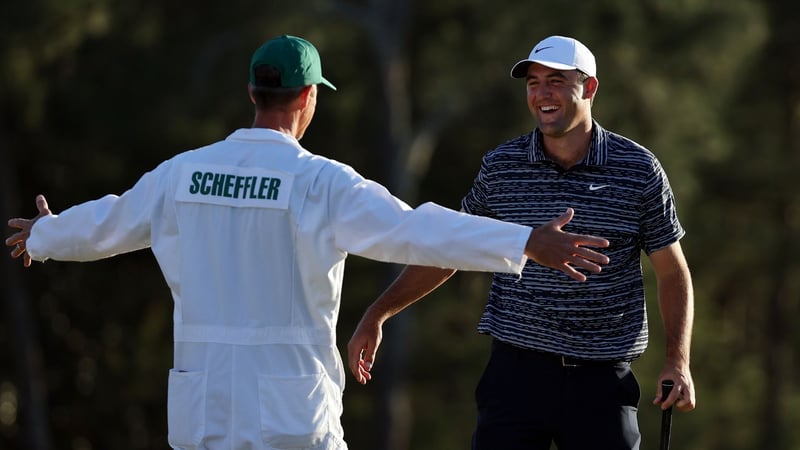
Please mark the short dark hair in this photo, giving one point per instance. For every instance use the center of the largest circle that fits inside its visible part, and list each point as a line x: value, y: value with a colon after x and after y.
x: 267, y: 90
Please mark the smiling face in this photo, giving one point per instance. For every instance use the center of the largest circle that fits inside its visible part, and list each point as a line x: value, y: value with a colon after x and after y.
x: 560, y: 100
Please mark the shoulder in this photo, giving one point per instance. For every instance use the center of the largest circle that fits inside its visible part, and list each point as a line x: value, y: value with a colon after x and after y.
x: 331, y: 167
x: 624, y: 150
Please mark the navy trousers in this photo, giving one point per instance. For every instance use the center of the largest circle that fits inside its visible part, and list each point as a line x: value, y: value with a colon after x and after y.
x: 528, y: 400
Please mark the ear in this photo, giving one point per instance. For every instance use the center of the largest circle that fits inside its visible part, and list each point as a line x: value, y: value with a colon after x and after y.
x: 250, y: 93
x: 590, y: 87
x: 305, y: 96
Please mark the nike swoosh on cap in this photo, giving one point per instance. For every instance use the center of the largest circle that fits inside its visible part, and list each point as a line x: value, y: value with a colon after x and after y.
x: 540, y: 49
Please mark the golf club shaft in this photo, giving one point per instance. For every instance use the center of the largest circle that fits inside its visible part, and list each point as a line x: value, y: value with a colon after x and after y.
x: 666, y: 415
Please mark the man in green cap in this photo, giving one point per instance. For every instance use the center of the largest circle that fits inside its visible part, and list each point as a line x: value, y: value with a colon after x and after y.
x: 251, y: 234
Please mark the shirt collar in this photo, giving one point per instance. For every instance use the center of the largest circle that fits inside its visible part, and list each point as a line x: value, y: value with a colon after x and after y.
x: 261, y: 134
x: 598, y: 147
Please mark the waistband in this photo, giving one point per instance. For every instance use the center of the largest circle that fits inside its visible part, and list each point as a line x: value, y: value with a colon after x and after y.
x: 554, y: 358
x: 253, y: 336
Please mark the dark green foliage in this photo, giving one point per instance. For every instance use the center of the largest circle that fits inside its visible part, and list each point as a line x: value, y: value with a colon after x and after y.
x: 94, y: 93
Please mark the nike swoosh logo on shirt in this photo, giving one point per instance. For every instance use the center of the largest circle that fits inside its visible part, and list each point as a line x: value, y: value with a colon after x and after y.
x: 595, y: 187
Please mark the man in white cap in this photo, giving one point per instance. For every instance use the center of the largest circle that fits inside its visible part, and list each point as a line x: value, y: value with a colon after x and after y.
x: 559, y: 370
x: 251, y: 234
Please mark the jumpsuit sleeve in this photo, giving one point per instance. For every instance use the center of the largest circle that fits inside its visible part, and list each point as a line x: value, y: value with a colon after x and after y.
x: 368, y: 221
x: 101, y: 228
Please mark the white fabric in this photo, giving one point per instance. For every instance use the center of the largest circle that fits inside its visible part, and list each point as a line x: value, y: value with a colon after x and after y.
x: 560, y: 53
x: 251, y: 234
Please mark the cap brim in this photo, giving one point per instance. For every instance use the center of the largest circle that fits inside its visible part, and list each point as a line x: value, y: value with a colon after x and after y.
x: 327, y: 83
x: 520, y: 69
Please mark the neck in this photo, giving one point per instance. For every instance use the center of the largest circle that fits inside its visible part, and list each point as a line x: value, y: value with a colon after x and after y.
x: 284, y: 122
x: 570, y: 148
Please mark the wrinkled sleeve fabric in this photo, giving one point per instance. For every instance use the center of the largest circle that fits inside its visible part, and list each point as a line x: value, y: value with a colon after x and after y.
x: 369, y: 221
x: 100, y: 228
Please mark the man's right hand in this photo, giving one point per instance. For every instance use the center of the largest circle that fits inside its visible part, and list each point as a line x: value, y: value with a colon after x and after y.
x: 19, y: 239
x: 549, y: 246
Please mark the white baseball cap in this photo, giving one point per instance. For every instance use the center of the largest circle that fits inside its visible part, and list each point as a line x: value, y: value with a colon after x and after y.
x: 558, y: 52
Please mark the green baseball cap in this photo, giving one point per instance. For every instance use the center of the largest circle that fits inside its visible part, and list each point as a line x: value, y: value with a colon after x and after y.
x: 296, y: 59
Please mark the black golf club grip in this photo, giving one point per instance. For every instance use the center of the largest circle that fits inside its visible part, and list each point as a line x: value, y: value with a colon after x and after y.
x: 666, y: 415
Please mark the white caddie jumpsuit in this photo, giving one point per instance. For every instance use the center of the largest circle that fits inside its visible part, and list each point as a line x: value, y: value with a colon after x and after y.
x: 251, y: 234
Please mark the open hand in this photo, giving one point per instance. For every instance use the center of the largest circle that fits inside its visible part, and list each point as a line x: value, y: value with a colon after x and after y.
x: 549, y: 246
x: 19, y: 239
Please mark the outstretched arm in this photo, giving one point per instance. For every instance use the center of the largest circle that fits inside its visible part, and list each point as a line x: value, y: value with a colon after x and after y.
x: 547, y: 245
x: 413, y: 283
x: 19, y: 239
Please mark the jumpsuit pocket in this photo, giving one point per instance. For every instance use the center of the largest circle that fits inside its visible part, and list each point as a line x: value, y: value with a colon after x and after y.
x: 186, y: 408
x: 295, y: 410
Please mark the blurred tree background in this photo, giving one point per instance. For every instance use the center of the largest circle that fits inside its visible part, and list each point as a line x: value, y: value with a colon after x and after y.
x: 93, y: 93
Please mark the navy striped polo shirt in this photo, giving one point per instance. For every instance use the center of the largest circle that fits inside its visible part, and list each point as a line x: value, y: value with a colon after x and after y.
x: 619, y: 192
